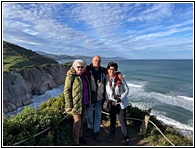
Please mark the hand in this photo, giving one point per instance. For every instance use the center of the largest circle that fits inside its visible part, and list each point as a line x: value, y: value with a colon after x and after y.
x: 118, y: 99
x: 68, y: 109
x: 113, y: 103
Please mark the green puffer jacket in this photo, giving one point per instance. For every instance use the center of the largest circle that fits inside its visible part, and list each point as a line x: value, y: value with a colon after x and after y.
x: 73, y: 93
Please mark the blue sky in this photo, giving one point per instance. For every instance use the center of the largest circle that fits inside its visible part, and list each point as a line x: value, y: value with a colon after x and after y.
x: 148, y: 30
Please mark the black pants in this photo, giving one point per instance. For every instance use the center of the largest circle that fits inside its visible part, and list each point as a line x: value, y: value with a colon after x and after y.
x: 117, y: 110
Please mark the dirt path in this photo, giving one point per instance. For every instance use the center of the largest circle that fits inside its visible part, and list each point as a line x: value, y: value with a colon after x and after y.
x: 136, y: 140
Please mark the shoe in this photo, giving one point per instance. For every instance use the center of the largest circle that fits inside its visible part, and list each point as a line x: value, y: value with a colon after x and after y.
x: 89, y: 133
x: 110, y: 137
x: 82, y: 140
x: 128, y: 142
x: 97, y: 137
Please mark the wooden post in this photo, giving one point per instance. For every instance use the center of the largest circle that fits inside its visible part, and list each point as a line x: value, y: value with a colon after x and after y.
x: 144, y: 125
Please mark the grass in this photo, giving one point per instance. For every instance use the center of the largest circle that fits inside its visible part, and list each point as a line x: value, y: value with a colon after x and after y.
x: 15, y: 56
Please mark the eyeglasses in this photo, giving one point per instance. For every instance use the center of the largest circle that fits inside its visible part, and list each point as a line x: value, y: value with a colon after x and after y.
x: 112, y: 69
x: 80, y: 67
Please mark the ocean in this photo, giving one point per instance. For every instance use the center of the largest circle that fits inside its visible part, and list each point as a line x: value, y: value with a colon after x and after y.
x: 165, y: 86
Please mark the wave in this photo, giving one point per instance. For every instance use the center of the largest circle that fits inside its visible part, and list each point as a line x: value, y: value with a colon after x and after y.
x: 38, y: 99
x: 55, y: 92
x: 157, y: 98
x: 137, y: 84
x: 173, y: 122
x: 144, y: 100
x: 134, y: 85
x: 184, y: 129
x: 186, y: 98
x: 137, y: 92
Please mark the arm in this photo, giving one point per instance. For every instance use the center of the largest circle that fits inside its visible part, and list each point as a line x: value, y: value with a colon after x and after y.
x: 125, y: 89
x: 68, y: 94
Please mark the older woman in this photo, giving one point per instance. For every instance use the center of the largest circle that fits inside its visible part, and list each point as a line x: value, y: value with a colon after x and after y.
x: 77, y: 96
x: 118, y: 94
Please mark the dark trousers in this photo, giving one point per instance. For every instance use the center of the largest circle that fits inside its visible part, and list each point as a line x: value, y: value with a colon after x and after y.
x: 117, y: 110
x: 79, y: 120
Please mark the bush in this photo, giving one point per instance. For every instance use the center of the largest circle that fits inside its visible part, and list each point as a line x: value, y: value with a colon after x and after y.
x: 31, y: 121
x: 46, y: 126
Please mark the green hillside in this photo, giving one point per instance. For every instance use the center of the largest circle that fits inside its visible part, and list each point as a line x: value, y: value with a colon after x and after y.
x: 15, y: 56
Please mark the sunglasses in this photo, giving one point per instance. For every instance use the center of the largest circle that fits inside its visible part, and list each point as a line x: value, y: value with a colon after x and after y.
x: 80, y: 67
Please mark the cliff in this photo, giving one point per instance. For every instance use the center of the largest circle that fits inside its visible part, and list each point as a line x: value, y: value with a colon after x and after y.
x: 20, y: 85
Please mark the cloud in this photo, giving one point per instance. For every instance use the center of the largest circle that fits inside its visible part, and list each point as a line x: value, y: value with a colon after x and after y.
x: 152, y: 12
x: 93, y: 28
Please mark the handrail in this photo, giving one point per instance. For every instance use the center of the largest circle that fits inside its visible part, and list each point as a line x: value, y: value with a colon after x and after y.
x: 156, y: 128
x: 39, y: 132
x: 161, y: 133
x: 152, y: 124
x: 103, y: 113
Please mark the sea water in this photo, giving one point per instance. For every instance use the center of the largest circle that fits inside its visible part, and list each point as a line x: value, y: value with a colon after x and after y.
x: 165, y: 86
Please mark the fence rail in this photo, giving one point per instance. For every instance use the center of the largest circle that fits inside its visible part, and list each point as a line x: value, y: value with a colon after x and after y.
x: 130, y: 118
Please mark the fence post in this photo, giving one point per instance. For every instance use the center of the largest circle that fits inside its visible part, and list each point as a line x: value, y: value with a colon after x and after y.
x: 144, y: 125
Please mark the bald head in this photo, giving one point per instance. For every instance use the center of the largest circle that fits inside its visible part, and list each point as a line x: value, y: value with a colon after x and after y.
x: 96, y: 61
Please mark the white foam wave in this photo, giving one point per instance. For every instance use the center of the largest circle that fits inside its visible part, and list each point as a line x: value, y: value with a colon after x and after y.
x: 174, y: 100
x: 186, y: 98
x: 144, y: 100
x: 37, y: 100
x: 173, y: 122
x: 134, y: 85
x: 186, y: 130
x: 157, y: 98
x: 55, y: 92
x: 161, y: 116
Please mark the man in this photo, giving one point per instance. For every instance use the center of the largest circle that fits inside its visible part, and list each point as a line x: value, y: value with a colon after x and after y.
x: 96, y: 75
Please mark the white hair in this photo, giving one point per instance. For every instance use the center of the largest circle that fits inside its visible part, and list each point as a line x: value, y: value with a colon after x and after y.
x: 80, y: 61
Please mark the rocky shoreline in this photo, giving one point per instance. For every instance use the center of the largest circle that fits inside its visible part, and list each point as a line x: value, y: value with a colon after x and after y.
x: 19, y: 85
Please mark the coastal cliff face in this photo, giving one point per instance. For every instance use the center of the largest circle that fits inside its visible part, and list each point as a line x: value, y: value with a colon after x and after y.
x: 18, y: 87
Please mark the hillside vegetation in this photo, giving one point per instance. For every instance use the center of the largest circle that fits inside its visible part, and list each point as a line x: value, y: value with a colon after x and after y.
x: 15, y: 56
x: 49, y: 125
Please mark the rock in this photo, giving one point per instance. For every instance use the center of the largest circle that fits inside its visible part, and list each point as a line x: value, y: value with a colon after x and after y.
x: 19, y: 86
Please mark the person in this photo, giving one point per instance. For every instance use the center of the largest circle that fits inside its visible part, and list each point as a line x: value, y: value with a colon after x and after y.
x: 77, y: 96
x: 97, y: 75
x: 117, y: 91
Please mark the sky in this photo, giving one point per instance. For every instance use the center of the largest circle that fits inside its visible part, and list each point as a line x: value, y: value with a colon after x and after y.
x: 139, y: 30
